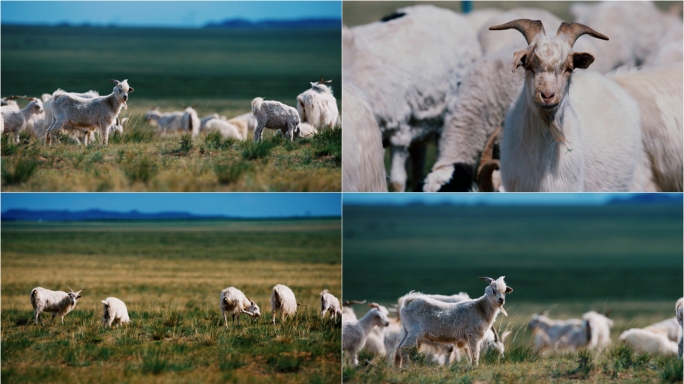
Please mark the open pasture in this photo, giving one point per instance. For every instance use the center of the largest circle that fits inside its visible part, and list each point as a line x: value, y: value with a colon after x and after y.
x: 170, y: 275
x: 216, y: 71
x: 568, y: 260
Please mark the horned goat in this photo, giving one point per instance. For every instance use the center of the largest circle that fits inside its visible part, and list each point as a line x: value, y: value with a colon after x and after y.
x: 347, y: 312
x: 461, y: 324
x: 363, y: 166
x: 274, y: 115
x: 558, y: 136
x: 59, y: 303
x: 96, y: 113
x: 114, y: 312
x: 317, y: 106
x: 407, y: 64
x: 355, y: 332
x: 236, y: 303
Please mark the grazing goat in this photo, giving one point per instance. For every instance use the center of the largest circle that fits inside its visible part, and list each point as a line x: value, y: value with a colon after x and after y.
x: 15, y: 121
x: 96, y: 113
x: 670, y: 328
x: 407, y: 64
x: 274, y: 115
x: 330, y: 304
x: 461, y: 324
x: 645, y: 341
x: 167, y: 122
x: 568, y: 131
x: 226, y: 129
x: 594, y: 333
x: 235, y: 302
x: 283, y: 300
x: 115, y: 312
x: 317, y: 106
x: 355, y: 332
x: 59, y: 303
x: 363, y: 166
x: 548, y: 332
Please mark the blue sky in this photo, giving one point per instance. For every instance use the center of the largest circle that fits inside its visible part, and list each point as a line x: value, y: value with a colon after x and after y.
x: 231, y: 204
x: 188, y: 14
x: 483, y: 198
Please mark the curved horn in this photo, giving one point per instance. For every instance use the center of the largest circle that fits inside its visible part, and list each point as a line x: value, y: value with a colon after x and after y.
x: 348, y: 303
x: 114, y: 81
x: 16, y: 97
x: 70, y: 288
x: 487, y: 279
x: 529, y: 28
x: 571, y: 32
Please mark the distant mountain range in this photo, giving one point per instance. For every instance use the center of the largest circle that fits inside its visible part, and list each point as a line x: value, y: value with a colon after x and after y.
x: 647, y: 198
x: 277, y: 24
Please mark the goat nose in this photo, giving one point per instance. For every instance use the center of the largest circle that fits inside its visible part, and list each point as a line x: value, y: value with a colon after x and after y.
x: 547, y: 95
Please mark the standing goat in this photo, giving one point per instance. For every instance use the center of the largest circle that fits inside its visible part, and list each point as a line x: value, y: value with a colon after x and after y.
x: 235, y: 302
x: 317, y: 106
x: 283, y: 300
x: 57, y: 302
x: 15, y: 121
x: 355, y: 332
x: 274, y: 115
x: 568, y: 132
x: 96, y: 113
x: 330, y: 304
x: 461, y: 324
x: 114, y: 312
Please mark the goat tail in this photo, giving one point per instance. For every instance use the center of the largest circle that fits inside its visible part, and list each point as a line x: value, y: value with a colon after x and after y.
x: 256, y: 104
x: 33, y: 298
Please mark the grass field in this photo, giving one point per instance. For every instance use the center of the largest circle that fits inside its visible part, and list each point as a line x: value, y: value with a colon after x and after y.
x: 170, y: 275
x: 569, y: 260
x: 217, y: 71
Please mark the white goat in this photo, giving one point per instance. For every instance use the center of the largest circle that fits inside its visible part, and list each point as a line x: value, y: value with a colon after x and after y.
x: 317, y: 106
x: 658, y: 92
x: 407, y: 64
x: 114, y: 312
x: 166, y: 123
x: 190, y: 122
x: 594, y: 333
x: 226, y: 129
x: 645, y: 341
x: 59, y: 303
x: 14, y: 122
x: 235, y: 302
x: 548, y: 332
x: 461, y: 324
x: 355, y: 332
x: 679, y: 310
x: 347, y: 312
x: 274, y: 115
x: 9, y: 104
x: 562, y: 137
x: 96, y: 113
x: 330, y: 304
x: 283, y: 300
x: 363, y: 166
x: 245, y: 123
x: 670, y: 328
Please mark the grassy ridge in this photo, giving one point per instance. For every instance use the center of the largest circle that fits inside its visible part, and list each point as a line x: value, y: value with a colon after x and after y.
x: 170, y: 275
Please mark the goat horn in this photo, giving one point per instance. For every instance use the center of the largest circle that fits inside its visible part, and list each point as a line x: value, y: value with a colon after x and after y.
x: 16, y: 97
x: 114, y: 81
x: 348, y: 303
x: 70, y: 288
x: 571, y: 32
x: 529, y: 28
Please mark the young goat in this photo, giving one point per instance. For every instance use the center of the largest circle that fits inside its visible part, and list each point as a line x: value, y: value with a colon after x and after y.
x: 15, y: 121
x: 114, y: 312
x: 317, y: 106
x: 96, y: 113
x: 274, y: 115
x: 462, y: 324
x: 330, y: 304
x: 568, y: 131
x: 57, y: 302
x: 235, y: 302
x: 355, y: 332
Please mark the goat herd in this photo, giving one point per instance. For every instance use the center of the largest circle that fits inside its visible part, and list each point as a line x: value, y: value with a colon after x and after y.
x: 81, y: 115
x: 594, y: 114
x: 444, y: 327
x: 232, y: 300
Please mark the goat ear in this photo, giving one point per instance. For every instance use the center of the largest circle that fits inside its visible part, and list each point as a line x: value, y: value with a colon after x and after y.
x: 130, y: 89
x: 509, y: 289
x: 487, y: 279
x: 582, y: 60
x: 519, y: 59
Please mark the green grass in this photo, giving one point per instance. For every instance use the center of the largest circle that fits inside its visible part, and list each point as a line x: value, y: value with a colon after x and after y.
x: 569, y: 260
x: 218, y: 71
x: 170, y: 275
